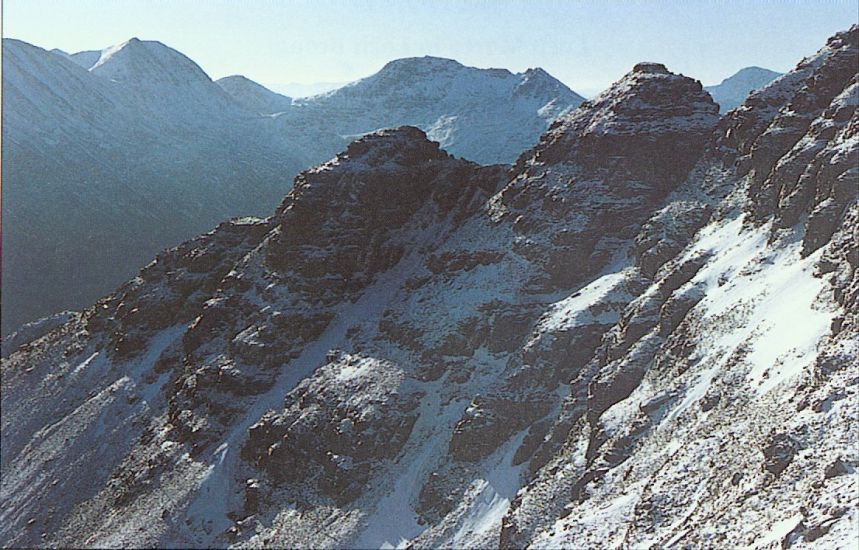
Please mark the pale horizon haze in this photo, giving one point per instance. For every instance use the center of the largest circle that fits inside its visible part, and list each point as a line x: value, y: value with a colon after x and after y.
x: 301, y: 43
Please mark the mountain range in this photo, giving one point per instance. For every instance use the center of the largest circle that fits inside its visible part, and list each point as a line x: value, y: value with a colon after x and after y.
x: 459, y: 107
x: 642, y: 333
x: 110, y: 156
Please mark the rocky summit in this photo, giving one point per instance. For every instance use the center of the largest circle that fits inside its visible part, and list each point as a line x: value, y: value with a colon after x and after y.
x: 642, y: 334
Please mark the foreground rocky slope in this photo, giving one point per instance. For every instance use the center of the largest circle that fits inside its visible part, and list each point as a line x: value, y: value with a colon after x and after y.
x: 643, y: 333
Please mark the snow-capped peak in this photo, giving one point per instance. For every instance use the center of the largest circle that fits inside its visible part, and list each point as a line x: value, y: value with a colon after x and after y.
x: 418, y: 64
x: 461, y: 107
x: 139, y: 60
x: 537, y: 81
x: 151, y: 72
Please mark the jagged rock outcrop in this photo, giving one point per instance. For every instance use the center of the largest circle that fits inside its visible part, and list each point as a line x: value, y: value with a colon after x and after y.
x: 613, y: 343
x: 335, y: 427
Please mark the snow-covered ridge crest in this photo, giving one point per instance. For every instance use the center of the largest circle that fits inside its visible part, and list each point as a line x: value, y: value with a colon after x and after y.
x: 85, y: 59
x: 421, y: 64
x: 108, y: 52
x: 710, y: 376
x: 164, y: 80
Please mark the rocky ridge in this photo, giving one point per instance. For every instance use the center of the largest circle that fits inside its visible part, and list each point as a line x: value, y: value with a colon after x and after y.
x: 641, y: 333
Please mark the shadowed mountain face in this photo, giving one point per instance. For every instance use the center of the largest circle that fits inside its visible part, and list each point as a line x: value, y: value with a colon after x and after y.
x: 642, y: 333
x: 734, y: 90
x: 110, y: 156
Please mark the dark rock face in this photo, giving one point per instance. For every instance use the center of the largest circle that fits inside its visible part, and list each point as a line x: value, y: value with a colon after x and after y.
x: 670, y: 117
x: 667, y: 233
x: 795, y: 169
x: 508, y: 330
x: 565, y: 179
x: 650, y: 68
x: 332, y: 235
x: 383, y: 180
x: 173, y: 288
x: 487, y: 423
x: 779, y: 453
x: 335, y: 427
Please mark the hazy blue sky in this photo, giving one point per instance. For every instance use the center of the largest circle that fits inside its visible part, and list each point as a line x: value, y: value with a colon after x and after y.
x: 587, y: 44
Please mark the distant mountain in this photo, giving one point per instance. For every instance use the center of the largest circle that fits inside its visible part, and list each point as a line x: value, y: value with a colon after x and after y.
x: 85, y: 59
x: 732, y: 91
x: 166, y: 82
x: 253, y: 96
x: 109, y: 156
x: 485, y: 115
